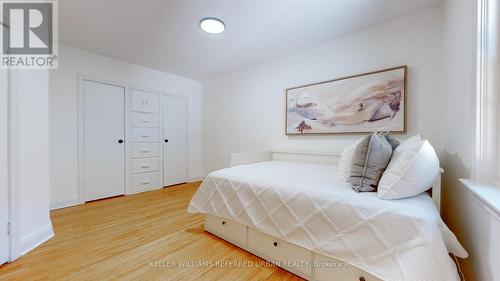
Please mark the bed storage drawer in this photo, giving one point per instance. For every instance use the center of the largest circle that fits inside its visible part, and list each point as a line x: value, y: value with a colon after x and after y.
x: 291, y: 256
x: 227, y: 229
x: 326, y: 267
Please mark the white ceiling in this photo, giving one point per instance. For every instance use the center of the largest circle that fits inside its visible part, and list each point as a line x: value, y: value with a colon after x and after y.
x: 164, y: 34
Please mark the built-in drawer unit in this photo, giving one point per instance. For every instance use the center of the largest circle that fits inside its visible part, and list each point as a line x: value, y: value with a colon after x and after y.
x: 145, y: 181
x: 145, y: 102
x: 145, y: 150
x: 141, y: 119
x: 326, y: 267
x: 229, y: 230
x: 145, y: 134
x: 144, y: 165
x: 287, y: 254
x: 145, y: 127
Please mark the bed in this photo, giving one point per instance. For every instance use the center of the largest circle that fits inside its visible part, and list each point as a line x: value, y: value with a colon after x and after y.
x: 292, y: 209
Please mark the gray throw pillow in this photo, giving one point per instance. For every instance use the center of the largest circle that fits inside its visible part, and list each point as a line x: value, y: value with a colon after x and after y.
x: 394, y: 142
x: 371, y: 157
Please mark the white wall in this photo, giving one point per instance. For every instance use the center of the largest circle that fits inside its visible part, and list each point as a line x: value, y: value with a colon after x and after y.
x: 29, y: 159
x: 475, y: 227
x: 245, y: 110
x: 63, y: 112
x: 4, y: 163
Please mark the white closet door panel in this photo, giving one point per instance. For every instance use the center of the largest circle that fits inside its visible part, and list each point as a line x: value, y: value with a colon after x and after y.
x: 144, y: 165
x: 145, y: 134
x: 145, y: 150
x: 145, y: 102
x: 104, y: 155
x: 140, y: 119
x: 175, y: 145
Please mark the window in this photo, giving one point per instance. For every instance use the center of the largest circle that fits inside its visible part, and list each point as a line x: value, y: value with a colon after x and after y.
x: 487, y: 168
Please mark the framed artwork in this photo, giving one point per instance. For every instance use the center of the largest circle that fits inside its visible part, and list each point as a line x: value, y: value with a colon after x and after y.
x: 362, y: 103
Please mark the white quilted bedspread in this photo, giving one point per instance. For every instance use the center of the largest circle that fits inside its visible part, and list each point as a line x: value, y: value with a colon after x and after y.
x: 309, y: 205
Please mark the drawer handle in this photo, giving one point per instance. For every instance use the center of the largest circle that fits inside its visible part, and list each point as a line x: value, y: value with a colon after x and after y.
x: 145, y: 136
x: 145, y: 166
x: 145, y: 151
x: 275, y: 244
x: 145, y: 182
x: 144, y: 121
x: 362, y: 278
x: 223, y: 222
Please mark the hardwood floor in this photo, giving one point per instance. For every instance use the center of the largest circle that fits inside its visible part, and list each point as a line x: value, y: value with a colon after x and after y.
x: 148, y: 236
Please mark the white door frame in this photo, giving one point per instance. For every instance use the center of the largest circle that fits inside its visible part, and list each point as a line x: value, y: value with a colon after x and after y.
x: 188, y: 134
x: 81, y: 133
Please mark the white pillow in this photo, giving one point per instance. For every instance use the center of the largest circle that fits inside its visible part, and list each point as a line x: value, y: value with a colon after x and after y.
x: 409, y: 141
x: 412, y: 170
x: 345, y: 162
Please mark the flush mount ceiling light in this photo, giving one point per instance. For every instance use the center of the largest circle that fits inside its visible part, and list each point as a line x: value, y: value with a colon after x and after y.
x: 212, y: 25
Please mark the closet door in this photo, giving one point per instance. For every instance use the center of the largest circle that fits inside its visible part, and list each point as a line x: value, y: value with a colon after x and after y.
x: 104, y: 149
x: 175, y: 140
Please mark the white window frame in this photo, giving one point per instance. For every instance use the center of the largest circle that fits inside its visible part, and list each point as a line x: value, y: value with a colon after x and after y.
x: 487, y: 90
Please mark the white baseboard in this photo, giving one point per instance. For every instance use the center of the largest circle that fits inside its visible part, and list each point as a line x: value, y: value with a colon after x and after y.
x: 33, y: 240
x: 65, y: 204
x: 75, y: 202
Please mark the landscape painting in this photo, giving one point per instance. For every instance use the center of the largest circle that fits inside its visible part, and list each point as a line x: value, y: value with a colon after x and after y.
x: 362, y: 103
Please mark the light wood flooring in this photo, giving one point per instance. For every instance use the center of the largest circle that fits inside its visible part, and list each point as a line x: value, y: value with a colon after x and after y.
x: 148, y: 236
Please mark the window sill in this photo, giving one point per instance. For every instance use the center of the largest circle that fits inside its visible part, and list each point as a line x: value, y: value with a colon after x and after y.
x: 488, y: 196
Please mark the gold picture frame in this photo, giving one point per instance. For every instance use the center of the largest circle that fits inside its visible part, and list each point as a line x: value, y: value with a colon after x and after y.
x: 360, y: 103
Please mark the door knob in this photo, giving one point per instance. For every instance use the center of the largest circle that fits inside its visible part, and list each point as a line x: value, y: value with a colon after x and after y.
x: 120, y: 141
x: 166, y: 140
